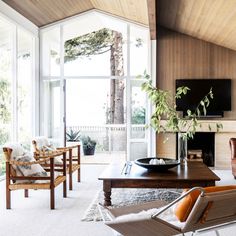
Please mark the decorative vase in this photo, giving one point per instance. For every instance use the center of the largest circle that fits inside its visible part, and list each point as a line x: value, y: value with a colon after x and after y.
x: 182, y: 148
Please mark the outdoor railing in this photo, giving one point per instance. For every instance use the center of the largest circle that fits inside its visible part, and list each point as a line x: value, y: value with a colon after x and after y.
x: 110, y: 137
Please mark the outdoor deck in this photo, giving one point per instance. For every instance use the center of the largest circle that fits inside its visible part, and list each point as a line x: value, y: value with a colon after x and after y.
x: 103, y: 158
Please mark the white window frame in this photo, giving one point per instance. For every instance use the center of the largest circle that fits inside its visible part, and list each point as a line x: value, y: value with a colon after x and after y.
x: 19, y: 22
x: 150, y: 137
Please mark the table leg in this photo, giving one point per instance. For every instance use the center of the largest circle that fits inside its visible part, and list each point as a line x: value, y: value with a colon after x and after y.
x: 107, y: 192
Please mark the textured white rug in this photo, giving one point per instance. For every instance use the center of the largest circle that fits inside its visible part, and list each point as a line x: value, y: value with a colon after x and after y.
x: 126, y: 197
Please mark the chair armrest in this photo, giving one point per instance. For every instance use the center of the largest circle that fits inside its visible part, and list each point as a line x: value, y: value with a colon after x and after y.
x: 177, y: 200
x: 23, y: 163
x: 63, y: 149
x: 42, y: 157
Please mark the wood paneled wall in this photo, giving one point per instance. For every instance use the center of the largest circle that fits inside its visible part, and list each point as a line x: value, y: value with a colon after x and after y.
x: 181, y: 57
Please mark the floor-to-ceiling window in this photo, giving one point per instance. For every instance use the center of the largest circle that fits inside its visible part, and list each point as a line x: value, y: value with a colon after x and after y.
x: 16, y: 85
x: 89, y: 67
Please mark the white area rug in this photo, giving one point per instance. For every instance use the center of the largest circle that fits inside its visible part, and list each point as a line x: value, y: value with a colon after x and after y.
x: 126, y: 197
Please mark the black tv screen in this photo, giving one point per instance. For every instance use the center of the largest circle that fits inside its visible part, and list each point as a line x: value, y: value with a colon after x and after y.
x: 221, y: 89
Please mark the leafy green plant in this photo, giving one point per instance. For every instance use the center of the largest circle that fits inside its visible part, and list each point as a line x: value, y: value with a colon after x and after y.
x: 88, y: 145
x: 73, y: 135
x: 165, y: 116
x: 88, y: 142
x: 138, y: 115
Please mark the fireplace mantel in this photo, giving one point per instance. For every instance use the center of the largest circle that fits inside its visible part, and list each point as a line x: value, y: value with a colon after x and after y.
x: 228, y: 126
x: 222, y: 151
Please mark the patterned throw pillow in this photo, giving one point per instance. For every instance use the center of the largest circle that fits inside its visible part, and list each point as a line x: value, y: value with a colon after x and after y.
x: 44, y: 145
x: 29, y: 170
x: 57, y: 160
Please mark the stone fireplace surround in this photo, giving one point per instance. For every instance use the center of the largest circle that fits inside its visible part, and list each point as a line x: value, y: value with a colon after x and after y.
x: 222, y: 151
x: 201, y: 148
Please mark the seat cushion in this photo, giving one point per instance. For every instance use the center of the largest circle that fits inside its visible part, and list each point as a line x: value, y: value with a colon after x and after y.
x: 57, y: 159
x: 28, y: 170
x: 167, y: 215
x: 43, y: 144
x: 184, y: 207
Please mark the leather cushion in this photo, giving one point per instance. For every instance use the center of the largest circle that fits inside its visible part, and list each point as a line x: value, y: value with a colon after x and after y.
x: 184, y: 207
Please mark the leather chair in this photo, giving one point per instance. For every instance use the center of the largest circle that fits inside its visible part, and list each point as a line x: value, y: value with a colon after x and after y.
x: 232, y: 144
x: 209, y: 208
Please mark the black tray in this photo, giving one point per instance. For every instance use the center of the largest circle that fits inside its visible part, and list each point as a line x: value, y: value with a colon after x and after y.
x: 169, y: 163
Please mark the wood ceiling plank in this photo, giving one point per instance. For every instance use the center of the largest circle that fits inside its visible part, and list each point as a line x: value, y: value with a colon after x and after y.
x: 186, y: 10
x: 151, y: 5
x: 30, y: 10
x: 43, y: 12
x: 206, y: 27
x: 211, y: 20
x: 195, y: 19
x: 135, y: 10
x: 167, y: 12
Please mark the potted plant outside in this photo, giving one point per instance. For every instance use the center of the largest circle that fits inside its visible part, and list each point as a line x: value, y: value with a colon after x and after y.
x: 72, y: 139
x: 89, y: 145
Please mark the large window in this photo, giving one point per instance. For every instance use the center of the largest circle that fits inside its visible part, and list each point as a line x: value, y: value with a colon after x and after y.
x: 94, y: 60
x: 16, y: 84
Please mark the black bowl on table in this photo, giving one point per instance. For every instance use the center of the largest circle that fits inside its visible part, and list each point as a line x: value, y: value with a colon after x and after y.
x: 169, y: 163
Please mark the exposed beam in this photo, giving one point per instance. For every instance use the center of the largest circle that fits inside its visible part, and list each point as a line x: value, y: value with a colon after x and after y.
x: 151, y: 6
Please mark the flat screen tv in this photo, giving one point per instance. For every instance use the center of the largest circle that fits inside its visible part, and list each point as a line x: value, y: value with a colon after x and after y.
x: 221, y: 89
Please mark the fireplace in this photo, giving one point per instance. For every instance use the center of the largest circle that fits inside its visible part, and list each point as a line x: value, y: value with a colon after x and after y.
x: 202, y: 148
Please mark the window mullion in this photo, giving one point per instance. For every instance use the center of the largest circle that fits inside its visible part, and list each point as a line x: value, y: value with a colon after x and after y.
x: 128, y: 96
x: 62, y: 86
x: 14, y: 133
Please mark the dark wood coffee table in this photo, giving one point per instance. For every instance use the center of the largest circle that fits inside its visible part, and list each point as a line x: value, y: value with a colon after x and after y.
x: 183, y: 176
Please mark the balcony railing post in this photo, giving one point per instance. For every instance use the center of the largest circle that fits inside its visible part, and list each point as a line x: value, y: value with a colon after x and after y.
x: 109, y: 139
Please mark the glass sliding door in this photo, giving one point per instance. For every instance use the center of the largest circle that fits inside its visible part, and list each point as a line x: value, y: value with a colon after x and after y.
x: 139, y: 136
x: 51, y: 52
x: 99, y: 63
x: 89, y: 110
x: 53, y: 87
x: 52, y: 110
x: 24, y: 88
x: 16, y: 90
x: 6, y: 86
x: 138, y: 110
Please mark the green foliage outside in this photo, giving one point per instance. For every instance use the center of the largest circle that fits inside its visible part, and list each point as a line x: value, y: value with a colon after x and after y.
x: 138, y: 115
x: 88, y: 142
x: 94, y: 43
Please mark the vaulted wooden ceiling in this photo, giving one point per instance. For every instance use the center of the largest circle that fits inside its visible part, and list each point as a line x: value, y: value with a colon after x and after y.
x: 44, y: 12
x: 211, y: 20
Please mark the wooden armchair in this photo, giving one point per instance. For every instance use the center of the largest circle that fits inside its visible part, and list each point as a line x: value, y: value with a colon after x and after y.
x: 73, y: 162
x: 15, y: 178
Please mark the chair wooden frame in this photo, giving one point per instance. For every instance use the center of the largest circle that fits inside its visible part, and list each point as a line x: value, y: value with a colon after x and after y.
x: 11, y: 176
x: 73, y: 162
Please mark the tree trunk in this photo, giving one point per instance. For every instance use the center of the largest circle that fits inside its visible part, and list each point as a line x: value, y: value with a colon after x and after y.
x: 117, y: 85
